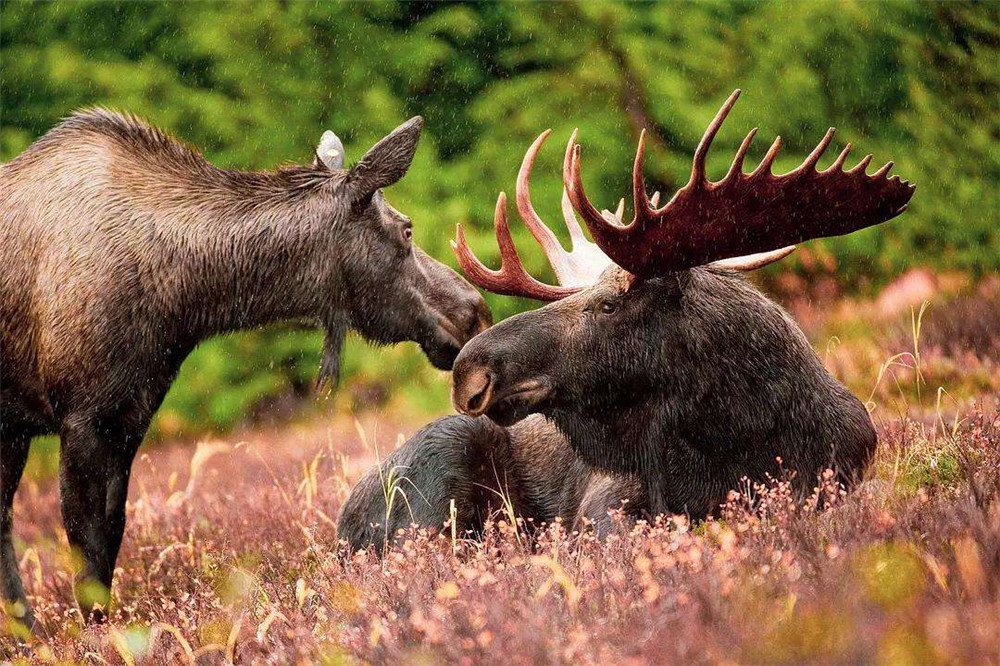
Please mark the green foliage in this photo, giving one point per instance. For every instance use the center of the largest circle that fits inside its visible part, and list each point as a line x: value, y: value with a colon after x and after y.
x: 255, y: 84
x: 942, y: 470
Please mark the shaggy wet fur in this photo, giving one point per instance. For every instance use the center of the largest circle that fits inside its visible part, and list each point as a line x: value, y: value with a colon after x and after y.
x: 481, y: 466
x: 122, y: 248
x: 667, y: 393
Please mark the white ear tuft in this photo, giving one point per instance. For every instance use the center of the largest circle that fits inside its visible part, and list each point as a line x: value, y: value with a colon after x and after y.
x: 330, y: 150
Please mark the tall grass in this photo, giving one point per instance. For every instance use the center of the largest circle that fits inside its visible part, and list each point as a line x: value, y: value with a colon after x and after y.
x: 231, y: 554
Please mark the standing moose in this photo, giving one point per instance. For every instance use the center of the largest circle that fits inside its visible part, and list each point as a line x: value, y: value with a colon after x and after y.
x: 659, y: 375
x: 121, y: 249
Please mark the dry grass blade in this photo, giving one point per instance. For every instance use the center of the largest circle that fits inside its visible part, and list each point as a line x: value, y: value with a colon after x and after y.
x: 904, y: 569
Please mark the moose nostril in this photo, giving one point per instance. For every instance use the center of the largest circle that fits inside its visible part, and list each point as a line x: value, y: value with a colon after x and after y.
x: 482, y: 322
x: 476, y: 401
x: 477, y: 390
x: 479, y: 319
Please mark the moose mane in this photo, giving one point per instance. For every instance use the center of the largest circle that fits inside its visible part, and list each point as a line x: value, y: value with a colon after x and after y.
x: 154, y: 149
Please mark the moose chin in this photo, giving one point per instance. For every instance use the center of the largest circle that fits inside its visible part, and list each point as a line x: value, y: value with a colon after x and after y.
x: 122, y: 248
x: 657, y: 375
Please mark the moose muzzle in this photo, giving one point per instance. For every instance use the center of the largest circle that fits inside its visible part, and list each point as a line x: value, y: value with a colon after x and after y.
x: 494, y: 380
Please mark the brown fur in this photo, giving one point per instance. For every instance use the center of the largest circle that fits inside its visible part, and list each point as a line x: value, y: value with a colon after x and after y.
x: 479, y: 466
x: 667, y: 393
x: 122, y: 248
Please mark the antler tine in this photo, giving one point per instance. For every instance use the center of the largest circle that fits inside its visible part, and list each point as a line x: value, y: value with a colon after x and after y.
x: 883, y: 171
x: 605, y: 233
x: 752, y: 262
x: 546, y: 238
x: 575, y: 231
x: 698, y: 176
x: 765, y: 164
x: 474, y: 269
x: 618, y: 214
x: 860, y: 166
x: 838, y: 163
x: 643, y: 210
x: 586, y: 259
x: 810, y: 162
x: 736, y: 169
x: 511, y: 279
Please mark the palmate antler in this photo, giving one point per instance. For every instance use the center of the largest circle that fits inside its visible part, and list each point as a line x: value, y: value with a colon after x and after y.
x: 511, y: 279
x: 743, y: 213
x: 704, y: 223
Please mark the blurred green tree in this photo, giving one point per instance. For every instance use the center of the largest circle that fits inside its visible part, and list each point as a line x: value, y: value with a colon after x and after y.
x: 253, y: 85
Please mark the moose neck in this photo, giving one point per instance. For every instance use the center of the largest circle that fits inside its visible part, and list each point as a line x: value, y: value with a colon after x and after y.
x: 612, y: 438
x: 242, y: 255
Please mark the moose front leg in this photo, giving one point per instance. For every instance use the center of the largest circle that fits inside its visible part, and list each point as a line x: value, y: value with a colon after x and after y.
x: 83, y: 483
x: 13, y: 455
x: 119, y: 469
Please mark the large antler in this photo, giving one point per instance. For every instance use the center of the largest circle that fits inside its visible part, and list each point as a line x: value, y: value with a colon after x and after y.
x: 743, y: 213
x: 579, y: 267
x: 574, y: 270
x: 511, y: 279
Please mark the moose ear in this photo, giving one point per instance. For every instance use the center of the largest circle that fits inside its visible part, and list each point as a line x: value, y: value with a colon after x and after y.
x: 387, y: 160
x: 330, y: 151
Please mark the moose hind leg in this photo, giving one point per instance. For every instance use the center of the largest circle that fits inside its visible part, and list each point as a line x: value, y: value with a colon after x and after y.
x: 13, y: 455
x: 83, y: 483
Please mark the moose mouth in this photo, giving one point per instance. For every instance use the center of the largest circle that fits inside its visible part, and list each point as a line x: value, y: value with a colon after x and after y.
x: 507, y: 406
x: 442, y: 354
x: 445, y: 344
x: 448, y: 339
x: 518, y: 404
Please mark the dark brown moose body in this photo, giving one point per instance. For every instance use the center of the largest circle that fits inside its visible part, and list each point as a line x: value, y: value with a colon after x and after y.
x: 660, y: 375
x: 121, y: 249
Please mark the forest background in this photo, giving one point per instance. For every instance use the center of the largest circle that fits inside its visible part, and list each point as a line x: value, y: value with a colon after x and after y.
x: 253, y: 85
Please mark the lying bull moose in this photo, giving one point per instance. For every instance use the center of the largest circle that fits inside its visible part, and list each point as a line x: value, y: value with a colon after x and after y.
x: 659, y: 376
x: 121, y: 249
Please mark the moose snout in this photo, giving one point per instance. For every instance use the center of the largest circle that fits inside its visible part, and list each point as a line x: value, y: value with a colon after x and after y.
x: 473, y: 318
x: 454, y: 312
x: 473, y: 390
x: 455, y: 328
x: 505, y: 373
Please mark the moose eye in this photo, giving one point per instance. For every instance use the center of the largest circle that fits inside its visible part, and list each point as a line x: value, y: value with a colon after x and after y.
x: 608, y: 307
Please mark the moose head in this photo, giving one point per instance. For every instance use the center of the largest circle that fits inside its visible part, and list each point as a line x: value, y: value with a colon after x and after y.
x: 390, y: 290
x: 654, y: 353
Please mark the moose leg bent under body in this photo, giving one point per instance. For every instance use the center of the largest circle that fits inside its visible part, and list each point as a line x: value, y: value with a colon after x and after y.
x: 480, y: 466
